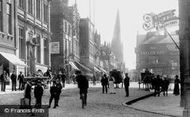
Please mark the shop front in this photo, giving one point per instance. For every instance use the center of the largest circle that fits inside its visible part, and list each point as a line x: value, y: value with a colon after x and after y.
x: 10, y: 62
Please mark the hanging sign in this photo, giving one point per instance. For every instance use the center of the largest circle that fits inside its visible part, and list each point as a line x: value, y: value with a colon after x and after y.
x: 161, y: 20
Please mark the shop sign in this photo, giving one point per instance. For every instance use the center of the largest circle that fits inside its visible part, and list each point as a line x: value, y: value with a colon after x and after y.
x: 55, y: 47
x: 161, y: 20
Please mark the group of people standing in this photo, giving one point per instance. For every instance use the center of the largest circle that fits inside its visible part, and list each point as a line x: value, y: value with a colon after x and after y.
x: 55, y: 90
x: 38, y: 92
x: 161, y: 84
x: 4, y: 79
x: 108, y: 82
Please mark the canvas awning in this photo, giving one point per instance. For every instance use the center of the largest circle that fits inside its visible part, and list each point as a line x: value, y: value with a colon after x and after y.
x: 73, y: 65
x: 96, y: 69
x: 13, y: 59
x: 83, y: 67
x: 102, y: 70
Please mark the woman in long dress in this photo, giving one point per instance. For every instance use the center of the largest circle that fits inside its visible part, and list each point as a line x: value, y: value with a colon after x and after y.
x: 176, y: 85
x: 111, y: 85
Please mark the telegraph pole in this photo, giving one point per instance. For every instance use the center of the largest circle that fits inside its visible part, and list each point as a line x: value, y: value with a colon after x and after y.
x: 184, y: 37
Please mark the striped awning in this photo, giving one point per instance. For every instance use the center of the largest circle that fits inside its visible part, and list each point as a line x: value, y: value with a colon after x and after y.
x: 73, y: 65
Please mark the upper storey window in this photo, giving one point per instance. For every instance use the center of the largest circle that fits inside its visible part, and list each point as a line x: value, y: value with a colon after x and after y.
x: 21, y: 4
x: 30, y: 6
x: 45, y: 13
x: 9, y: 17
x: 38, y: 7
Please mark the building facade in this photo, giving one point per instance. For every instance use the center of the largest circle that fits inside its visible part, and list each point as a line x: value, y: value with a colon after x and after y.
x: 24, y: 34
x: 86, y: 43
x: 157, y: 53
x: 7, y: 34
x: 65, y: 36
x: 33, y: 34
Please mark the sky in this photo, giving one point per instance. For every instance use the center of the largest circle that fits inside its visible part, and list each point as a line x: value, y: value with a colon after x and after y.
x: 103, y: 14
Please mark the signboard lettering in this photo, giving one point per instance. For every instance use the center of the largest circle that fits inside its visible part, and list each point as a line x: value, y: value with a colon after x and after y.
x: 160, y: 21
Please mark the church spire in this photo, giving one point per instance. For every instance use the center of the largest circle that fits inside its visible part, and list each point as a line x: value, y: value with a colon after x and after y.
x: 116, y: 45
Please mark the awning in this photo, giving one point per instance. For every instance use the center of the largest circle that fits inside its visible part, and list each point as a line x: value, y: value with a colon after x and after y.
x: 13, y: 59
x: 42, y: 68
x: 96, y: 69
x: 102, y: 70
x: 83, y: 67
x: 73, y: 65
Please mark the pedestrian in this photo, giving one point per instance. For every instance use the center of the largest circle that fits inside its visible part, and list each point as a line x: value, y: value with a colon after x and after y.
x: 13, y: 79
x: 59, y: 88
x: 157, y: 83
x: 38, y: 93
x: 21, y: 81
x: 104, y: 82
x: 61, y: 76
x: 27, y: 91
x: 176, y: 85
x: 83, y: 85
x: 126, y: 84
x: 53, y: 94
x: 165, y: 85
x: 3, y: 81
x: 63, y: 79
x: 111, y: 85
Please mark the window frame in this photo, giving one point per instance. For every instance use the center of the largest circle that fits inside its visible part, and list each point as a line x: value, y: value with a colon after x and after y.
x: 22, y: 44
x: 21, y: 4
x: 46, y: 61
x: 46, y: 13
x: 30, y: 7
x: 38, y: 11
x: 9, y: 18
x: 38, y: 48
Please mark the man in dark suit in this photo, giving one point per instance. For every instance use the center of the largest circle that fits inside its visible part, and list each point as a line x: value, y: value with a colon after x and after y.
x: 3, y: 80
x: 83, y: 85
x: 157, y: 82
x: 38, y: 92
x: 27, y: 91
x: 126, y: 83
x: 105, y: 83
x: 21, y: 81
x: 59, y: 88
x: 61, y: 76
x: 53, y: 93
x: 13, y: 79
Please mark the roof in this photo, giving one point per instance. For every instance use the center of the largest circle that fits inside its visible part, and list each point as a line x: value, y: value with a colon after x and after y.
x: 156, y: 39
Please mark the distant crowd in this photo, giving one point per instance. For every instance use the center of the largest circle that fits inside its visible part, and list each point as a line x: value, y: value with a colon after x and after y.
x: 159, y: 83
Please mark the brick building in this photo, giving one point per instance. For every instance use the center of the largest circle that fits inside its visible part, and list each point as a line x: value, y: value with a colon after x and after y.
x: 158, y: 53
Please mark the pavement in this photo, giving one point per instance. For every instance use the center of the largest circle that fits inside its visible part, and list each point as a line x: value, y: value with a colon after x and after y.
x: 163, y: 105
